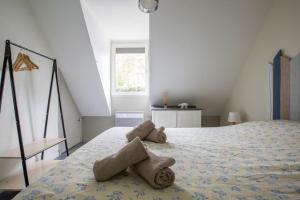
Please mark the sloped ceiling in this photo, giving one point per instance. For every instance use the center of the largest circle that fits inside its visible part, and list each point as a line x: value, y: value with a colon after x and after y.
x: 198, y: 46
x: 120, y: 19
x: 63, y: 25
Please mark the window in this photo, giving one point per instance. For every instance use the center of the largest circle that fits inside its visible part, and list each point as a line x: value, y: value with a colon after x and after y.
x: 129, y: 69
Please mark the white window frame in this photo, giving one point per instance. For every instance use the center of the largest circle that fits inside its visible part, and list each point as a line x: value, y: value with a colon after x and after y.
x: 128, y: 44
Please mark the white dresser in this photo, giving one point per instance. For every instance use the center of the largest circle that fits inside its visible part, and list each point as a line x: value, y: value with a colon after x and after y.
x: 176, y: 118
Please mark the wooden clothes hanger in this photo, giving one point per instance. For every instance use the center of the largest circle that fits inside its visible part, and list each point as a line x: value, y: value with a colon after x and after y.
x: 21, y: 60
x: 30, y: 63
x: 18, y: 62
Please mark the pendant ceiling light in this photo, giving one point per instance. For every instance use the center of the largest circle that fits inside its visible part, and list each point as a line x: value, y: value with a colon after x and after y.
x: 148, y: 6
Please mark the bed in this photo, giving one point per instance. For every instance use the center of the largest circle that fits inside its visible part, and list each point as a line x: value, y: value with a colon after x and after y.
x: 254, y: 160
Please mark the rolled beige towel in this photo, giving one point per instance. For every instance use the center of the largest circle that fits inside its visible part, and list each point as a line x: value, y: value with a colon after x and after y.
x: 141, y: 130
x: 157, y: 135
x: 130, y: 154
x: 155, y: 170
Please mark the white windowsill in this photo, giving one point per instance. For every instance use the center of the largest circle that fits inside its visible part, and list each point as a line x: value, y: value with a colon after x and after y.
x: 129, y: 94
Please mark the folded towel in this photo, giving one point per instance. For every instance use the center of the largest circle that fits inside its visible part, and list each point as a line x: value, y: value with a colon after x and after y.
x: 130, y: 154
x: 155, y: 170
x: 141, y: 130
x: 157, y: 135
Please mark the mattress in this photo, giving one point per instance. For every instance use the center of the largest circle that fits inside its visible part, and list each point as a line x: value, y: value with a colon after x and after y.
x: 255, y: 160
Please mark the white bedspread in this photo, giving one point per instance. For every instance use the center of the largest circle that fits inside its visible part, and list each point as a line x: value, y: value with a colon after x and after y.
x: 256, y: 160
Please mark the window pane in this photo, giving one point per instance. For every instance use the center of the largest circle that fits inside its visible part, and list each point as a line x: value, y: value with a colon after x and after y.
x: 130, y: 72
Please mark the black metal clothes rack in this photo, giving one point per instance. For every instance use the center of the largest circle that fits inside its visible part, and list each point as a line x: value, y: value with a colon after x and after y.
x: 42, y: 146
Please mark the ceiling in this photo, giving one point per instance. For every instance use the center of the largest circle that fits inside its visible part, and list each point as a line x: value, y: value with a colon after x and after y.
x: 80, y: 40
x: 65, y: 30
x: 120, y: 19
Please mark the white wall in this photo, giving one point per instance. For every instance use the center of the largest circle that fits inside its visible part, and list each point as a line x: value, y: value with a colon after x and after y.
x: 19, y: 25
x: 113, y: 21
x: 93, y: 126
x: 72, y: 117
x: 132, y: 103
x: 197, y: 48
x: 280, y: 30
x: 101, y: 47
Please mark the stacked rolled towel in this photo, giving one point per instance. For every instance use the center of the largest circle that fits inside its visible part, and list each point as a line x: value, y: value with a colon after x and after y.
x: 141, y: 131
x: 157, y: 135
x: 130, y: 154
x: 147, y: 131
x: 155, y: 170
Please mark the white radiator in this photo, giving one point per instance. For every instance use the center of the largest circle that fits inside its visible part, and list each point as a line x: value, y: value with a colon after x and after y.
x: 129, y: 118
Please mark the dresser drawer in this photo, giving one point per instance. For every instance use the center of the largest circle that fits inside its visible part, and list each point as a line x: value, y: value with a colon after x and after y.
x: 189, y: 118
x: 166, y: 118
x: 176, y: 118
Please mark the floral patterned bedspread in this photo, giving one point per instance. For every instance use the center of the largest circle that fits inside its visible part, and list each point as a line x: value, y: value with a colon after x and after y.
x: 255, y: 160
